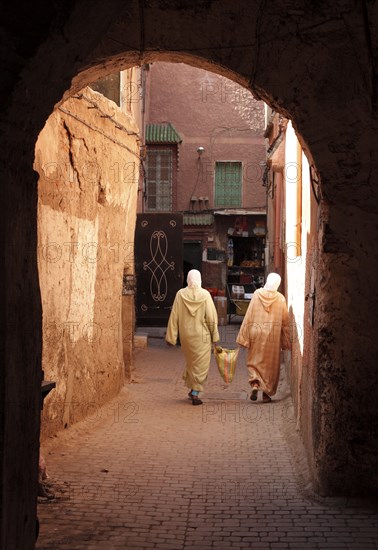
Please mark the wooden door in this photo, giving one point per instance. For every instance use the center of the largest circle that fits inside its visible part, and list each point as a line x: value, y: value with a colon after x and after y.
x: 158, y: 266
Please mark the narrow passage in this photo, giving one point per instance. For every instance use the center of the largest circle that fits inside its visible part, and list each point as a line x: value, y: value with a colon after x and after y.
x: 149, y: 470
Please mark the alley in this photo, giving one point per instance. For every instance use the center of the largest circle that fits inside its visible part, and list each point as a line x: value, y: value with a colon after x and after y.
x: 149, y: 470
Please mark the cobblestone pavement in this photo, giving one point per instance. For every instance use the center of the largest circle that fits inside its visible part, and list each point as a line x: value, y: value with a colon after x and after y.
x: 149, y: 470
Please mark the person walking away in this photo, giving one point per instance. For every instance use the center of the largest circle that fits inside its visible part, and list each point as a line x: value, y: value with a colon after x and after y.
x: 264, y: 332
x: 194, y: 321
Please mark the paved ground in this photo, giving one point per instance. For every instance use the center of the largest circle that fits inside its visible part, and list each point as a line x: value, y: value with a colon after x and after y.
x: 152, y: 471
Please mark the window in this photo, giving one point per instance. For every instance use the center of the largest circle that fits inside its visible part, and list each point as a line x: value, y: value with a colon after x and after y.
x: 228, y: 184
x: 159, y: 180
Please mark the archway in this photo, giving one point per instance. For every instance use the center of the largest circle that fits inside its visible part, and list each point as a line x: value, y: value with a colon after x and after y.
x: 293, y: 60
x: 92, y: 181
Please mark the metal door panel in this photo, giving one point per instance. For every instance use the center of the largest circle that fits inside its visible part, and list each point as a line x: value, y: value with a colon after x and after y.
x: 158, y: 266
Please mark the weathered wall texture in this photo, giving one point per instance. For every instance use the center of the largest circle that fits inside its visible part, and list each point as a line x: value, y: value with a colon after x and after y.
x: 318, y: 64
x: 293, y: 252
x: 87, y: 158
x: 301, y: 264
x: 216, y: 113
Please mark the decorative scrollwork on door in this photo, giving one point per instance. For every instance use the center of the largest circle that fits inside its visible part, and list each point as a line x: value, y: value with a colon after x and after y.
x: 158, y: 266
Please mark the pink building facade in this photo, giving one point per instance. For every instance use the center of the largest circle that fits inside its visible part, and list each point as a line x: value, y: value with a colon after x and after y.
x: 206, y: 151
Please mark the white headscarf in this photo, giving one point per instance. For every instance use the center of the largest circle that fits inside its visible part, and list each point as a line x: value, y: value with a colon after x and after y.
x: 194, y: 279
x: 272, y: 282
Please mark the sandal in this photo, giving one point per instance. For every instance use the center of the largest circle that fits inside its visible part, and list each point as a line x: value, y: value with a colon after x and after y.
x: 266, y: 398
x: 254, y: 393
x: 196, y: 400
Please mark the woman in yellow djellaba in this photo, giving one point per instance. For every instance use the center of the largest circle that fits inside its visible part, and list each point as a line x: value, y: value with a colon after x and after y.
x: 194, y: 321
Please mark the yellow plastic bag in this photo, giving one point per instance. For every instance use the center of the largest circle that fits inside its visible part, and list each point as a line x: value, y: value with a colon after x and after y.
x: 226, y: 361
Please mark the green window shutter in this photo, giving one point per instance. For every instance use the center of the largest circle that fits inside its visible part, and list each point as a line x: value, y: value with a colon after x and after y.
x: 159, y: 180
x: 228, y: 184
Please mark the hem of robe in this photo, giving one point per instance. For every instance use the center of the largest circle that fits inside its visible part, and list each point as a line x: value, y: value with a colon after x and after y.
x: 269, y: 389
x: 191, y: 383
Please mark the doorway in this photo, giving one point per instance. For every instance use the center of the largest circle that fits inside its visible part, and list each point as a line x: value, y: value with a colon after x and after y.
x: 192, y: 257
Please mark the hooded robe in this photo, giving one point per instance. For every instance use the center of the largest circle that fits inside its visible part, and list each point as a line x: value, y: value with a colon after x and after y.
x: 194, y: 320
x: 264, y: 331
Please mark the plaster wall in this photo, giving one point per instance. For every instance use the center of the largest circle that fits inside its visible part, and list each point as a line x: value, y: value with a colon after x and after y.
x: 88, y: 165
x: 294, y: 252
x: 301, y: 256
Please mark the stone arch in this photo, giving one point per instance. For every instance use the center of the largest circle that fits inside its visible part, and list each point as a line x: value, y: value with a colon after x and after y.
x: 316, y: 63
